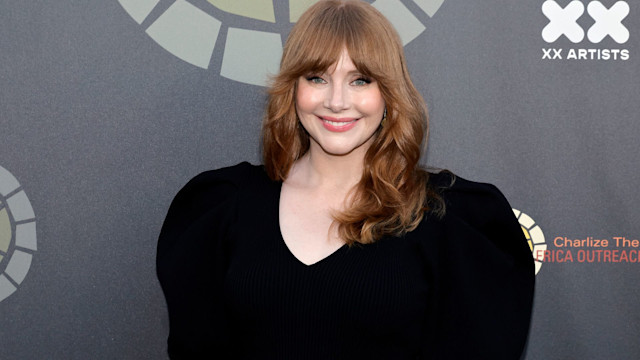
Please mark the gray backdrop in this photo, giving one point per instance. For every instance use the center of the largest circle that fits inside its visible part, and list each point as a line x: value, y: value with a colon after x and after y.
x: 108, y: 107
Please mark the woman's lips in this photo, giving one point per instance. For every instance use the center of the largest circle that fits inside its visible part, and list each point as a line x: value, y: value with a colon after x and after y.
x: 337, y: 124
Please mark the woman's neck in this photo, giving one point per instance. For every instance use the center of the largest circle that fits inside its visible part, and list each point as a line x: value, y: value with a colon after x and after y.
x: 318, y: 169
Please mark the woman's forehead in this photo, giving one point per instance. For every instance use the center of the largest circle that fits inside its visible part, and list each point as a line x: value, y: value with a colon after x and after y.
x: 343, y: 63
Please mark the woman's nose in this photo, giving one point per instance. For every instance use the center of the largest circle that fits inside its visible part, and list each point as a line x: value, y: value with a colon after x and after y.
x: 337, y: 99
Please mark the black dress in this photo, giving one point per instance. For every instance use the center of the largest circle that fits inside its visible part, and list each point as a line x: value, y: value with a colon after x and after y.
x: 460, y: 287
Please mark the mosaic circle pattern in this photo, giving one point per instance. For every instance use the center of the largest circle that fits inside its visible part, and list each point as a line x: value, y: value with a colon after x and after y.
x: 534, y: 236
x: 249, y: 56
x: 17, y: 234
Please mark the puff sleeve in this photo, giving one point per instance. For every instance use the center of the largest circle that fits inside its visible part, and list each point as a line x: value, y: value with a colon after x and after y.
x: 483, y: 276
x: 191, y: 262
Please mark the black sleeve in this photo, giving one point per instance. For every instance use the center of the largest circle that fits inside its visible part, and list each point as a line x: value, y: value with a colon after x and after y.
x: 191, y: 262
x: 483, y: 275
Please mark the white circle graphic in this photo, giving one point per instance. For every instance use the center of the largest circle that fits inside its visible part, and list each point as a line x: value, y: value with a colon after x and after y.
x: 190, y: 31
x: 17, y: 234
x: 534, y: 236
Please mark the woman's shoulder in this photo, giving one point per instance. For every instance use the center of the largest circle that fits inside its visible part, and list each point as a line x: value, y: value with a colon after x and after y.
x: 223, y: 182
x: 471, y: 200
x: 212, y: 192
x: 477, y: 213
x: 237, y: 175
x: 452, y: 185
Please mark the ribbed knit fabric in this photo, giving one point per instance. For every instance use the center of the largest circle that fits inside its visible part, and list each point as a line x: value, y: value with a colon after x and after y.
x: 455, y: 288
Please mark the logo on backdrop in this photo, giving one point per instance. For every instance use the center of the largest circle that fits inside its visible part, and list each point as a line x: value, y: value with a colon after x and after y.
x: 17, y: 234
x: 564, y: 249
x: 604, y: 23
x: 191, y: 32
x: 592, y: 249
x: 534, y: 236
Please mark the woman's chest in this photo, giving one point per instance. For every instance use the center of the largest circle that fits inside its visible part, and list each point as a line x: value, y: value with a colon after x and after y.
x: 371, y: 289
x: 305, y: 219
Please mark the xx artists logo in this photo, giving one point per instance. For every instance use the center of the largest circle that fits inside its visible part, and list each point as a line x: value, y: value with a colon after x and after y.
x: 607, y: 22
x: 251, y: 31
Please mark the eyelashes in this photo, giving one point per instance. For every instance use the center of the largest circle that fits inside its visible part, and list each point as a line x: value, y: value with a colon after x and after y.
x: 359, y: 81
x: 362, y: 81
x: 315, y: 79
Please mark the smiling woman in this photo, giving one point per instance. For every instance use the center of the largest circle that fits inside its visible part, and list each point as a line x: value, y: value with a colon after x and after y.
x: 340, y: 245
x: 340, y: 109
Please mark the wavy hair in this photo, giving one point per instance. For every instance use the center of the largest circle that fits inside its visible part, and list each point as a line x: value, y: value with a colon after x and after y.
x: 393, y: 193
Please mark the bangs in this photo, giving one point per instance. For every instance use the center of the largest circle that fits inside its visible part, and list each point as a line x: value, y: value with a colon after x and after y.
x: 319, y: 39
x: 320, y: 52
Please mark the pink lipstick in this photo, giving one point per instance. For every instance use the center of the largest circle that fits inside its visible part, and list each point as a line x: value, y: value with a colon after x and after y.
x: 338, y: 124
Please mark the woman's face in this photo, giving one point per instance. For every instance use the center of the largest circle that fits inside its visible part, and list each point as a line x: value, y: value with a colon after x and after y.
x: 341, y: 109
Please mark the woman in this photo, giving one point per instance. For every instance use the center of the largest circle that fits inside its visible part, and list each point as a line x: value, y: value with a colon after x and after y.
x: 340, y: 246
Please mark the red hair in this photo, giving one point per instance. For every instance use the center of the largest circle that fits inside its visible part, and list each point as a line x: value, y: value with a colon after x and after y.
x: 393, y: 193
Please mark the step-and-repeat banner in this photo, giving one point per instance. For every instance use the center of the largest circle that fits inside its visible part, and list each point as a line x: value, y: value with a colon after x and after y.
x: 108, y: 107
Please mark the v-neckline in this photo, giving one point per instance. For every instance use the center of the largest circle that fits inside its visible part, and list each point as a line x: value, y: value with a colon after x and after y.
x: 283, y: 243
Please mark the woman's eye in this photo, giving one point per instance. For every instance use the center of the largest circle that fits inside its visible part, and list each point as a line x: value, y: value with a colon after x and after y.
x: 361, y: 82
x: 315, y: 79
